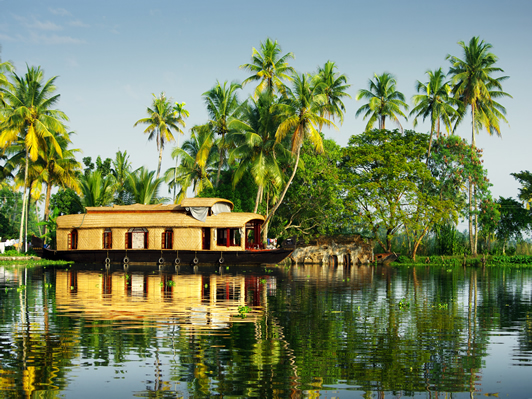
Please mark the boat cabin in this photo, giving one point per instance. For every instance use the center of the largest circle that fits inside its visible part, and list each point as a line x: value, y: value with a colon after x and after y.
x: 195, y: 224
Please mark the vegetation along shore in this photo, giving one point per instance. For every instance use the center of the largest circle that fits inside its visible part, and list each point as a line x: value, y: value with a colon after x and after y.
x: 405, y: 190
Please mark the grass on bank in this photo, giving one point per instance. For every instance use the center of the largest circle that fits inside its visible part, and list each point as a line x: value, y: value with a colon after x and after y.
x: 476, y: 261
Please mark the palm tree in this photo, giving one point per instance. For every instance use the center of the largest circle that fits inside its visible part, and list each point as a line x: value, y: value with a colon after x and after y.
x: 333, y: 86
x: 198, y: 162
x: 61, y: 171
x: 268, y: 67
x: 301, y: 117
x: 224, y: 111
x: 96, y: 190
x: 257, y: 150
x: 384, y: 101
x: 29, y: 116
x: 5, y: 66
x: 121, y: 170
x: 434, y: 103
x: 476, y: 88
x: 162, y: 119
x: 144, y: 187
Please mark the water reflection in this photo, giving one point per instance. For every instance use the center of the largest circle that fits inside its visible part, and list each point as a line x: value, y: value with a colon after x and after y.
x: 306, y: 331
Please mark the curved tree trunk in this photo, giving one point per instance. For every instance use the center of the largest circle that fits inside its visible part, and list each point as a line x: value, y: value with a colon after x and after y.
x: 270, y: 214
x: 24, y: 200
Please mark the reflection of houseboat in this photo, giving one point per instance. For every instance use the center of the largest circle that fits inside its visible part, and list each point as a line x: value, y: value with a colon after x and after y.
x: 198, y: 230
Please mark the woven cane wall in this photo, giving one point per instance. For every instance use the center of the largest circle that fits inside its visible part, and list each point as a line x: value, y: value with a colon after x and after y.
x: 154, y: 238
x: 90, y: 238
x: 119, y: 238
x: 62, y: 239
x: 187, y: 238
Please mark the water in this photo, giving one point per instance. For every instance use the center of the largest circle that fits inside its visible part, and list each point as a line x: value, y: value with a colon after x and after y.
x: 268, y: 332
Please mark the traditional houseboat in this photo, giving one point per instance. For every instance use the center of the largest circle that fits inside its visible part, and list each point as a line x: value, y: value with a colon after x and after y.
x: 198, y: 230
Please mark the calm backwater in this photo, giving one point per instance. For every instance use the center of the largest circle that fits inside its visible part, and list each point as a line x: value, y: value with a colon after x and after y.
x: 268, y: 332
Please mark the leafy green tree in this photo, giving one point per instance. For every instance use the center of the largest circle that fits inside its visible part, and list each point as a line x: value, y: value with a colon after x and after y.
x: 525, y: 192
x: 300, y: 115
x: 162, y: 120
x: 476, y: 88
x: 314, y: 205
x: 515, y: 220
x: 67, y: 202
x: 224, y: 111
x: 384, y: 101
x: 269, y: 68
x: 30, y: 118
x: 435, y: 103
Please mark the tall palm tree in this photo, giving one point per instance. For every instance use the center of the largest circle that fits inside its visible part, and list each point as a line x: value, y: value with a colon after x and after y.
x: 384, y: 101
x: 268, y: 67
x: 58, y: 171
x: 144, y: 187
x: 476, y: 88
x: 198, y: 162
x: 333, y: 86
x: 257, y: 150
x: 29, y: 116
x: 161, y: 121
x: 300, y: 118
x: 435, y: 102
x: 224, y: 111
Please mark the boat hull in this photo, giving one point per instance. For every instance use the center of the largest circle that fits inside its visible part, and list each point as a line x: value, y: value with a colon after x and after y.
x: 147, y: 256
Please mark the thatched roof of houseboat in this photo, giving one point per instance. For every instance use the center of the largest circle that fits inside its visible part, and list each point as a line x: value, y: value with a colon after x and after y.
x: 207, y: 202
x: 136, y: 208
x: 155, y: 219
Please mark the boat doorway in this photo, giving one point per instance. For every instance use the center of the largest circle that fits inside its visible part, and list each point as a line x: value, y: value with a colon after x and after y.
x: 206, y: 238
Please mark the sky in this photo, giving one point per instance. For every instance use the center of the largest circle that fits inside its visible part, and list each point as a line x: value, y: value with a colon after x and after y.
x: 110, y: 56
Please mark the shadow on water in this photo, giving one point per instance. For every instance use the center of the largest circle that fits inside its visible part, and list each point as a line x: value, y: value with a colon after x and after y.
x: 301, y: 331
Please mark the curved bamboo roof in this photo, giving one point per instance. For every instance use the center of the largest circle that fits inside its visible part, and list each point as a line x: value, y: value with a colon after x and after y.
x: 185, y: 203
x: 204, y: 202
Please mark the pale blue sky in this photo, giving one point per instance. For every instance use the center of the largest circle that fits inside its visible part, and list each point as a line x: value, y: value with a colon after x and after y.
x: 110, y: 57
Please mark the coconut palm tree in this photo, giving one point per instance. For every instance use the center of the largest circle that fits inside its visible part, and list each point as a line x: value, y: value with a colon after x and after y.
x: 199, y: 157
x: 268, y: 67
x: 162, y: 120
x: 29, y: 116
x: 120, y: 171
x: 333, y: 86
x: 224, y: 111
x: 144, y: 187
x: 476, y: 88
x: 58, y: 171
x: 384, y: 101
x: 5, y: 67
x: 301, y: 118
x: 257, y: 150
x: 435, y: 102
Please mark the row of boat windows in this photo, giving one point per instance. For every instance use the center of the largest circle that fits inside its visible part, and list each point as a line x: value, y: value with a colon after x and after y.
x: 137, y: 238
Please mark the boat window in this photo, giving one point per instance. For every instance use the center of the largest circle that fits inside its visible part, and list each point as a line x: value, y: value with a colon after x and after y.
x: 167, y: 239
x: 107, y: 239
x: 228, y: 237
x: 137, y: 238
x: 73, y: 239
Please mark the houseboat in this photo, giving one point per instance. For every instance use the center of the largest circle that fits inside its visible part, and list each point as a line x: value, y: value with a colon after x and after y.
x: 197, y: 231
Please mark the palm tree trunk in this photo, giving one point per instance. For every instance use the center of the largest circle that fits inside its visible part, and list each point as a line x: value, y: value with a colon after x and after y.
x: 471, y: 185
x: 220, y: 163
x: 270, y: 214
x: 47, y: 204
x: 24, y: 198
x: 257, y: 199
x: 160, y: 161
x: 430, y: 143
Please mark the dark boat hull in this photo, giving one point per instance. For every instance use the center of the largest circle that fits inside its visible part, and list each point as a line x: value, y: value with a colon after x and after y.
x: 154, y: 256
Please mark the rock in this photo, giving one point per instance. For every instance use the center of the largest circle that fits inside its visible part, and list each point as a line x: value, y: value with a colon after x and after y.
x: 334, y: 251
